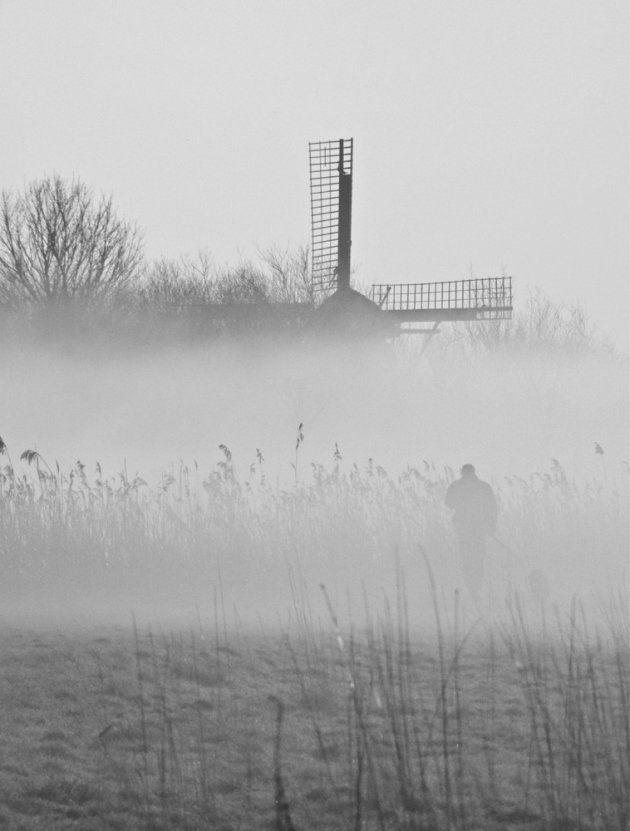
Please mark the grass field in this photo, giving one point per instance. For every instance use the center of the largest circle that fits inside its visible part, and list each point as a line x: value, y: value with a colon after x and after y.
x: 218, y: 651
x: 219, y: 727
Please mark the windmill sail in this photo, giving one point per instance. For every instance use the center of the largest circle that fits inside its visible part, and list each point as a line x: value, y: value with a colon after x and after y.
x: 331, y: 213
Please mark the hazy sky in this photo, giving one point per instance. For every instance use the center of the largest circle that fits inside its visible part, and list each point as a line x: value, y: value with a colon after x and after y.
x: 490, y: 135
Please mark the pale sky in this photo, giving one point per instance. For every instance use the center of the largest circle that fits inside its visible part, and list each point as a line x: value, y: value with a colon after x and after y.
x: 490, y: 136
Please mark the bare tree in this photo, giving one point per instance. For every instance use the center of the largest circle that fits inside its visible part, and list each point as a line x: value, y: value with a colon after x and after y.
x: 59, y: 245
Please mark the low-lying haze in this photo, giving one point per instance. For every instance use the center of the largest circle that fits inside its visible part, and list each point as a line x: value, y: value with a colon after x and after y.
x: 510, y: 413
x: 530, y: 421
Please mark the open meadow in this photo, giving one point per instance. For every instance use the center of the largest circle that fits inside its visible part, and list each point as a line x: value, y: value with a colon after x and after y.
x: 215, y: 727
x: 282, y: 637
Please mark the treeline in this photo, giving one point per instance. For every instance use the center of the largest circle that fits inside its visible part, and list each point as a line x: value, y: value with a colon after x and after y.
x: 70, y: 265
x: 60, y: 245
x: 68, y: 261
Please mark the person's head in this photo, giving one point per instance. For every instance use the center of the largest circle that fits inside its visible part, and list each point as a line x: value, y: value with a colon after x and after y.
x: 468, y: 470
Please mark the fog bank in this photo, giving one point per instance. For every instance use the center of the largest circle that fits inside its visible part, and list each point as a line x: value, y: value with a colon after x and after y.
x: 348, y: 505
x: 150, y: 410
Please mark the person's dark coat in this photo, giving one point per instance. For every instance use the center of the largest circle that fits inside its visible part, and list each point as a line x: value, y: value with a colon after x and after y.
x: 474, y: 506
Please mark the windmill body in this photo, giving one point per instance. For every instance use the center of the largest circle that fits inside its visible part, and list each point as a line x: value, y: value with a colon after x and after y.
x: 393, y: 308
x: 338, y: 310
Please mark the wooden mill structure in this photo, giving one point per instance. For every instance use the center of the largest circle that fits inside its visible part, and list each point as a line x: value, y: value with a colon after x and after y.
x: 394, y: 308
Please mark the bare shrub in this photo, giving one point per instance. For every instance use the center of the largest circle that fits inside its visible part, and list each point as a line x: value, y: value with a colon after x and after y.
x: 541, y: 324
x: 175, y: 286
x: 289, y: 274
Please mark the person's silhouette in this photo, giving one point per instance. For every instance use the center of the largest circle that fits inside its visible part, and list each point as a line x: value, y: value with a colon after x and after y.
x: 475, y: 517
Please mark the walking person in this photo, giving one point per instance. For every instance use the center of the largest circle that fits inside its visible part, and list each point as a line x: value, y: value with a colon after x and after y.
x: 475, y: 518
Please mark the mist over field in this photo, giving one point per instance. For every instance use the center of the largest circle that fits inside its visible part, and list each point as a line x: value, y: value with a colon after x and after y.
x: 528, y: 420
x: 154, y: 408
x: 248, y: 578
x: 228, y: 574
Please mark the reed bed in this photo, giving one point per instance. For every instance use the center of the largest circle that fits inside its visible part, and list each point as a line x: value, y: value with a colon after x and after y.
x: 373, y: 696
x: 353, y: 520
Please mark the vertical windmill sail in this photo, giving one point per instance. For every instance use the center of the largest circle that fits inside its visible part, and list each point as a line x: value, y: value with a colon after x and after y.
x: 401, y: 304
x: 331, y: 213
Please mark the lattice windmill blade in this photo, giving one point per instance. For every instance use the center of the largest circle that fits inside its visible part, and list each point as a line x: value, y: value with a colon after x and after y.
x: 331, y: 213
x: 488, y: 298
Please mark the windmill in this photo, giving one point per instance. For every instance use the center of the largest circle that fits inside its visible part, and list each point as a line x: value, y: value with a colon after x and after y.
x: 392, y: 308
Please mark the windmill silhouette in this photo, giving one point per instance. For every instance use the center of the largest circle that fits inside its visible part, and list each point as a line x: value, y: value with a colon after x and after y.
x: 391, y: 308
